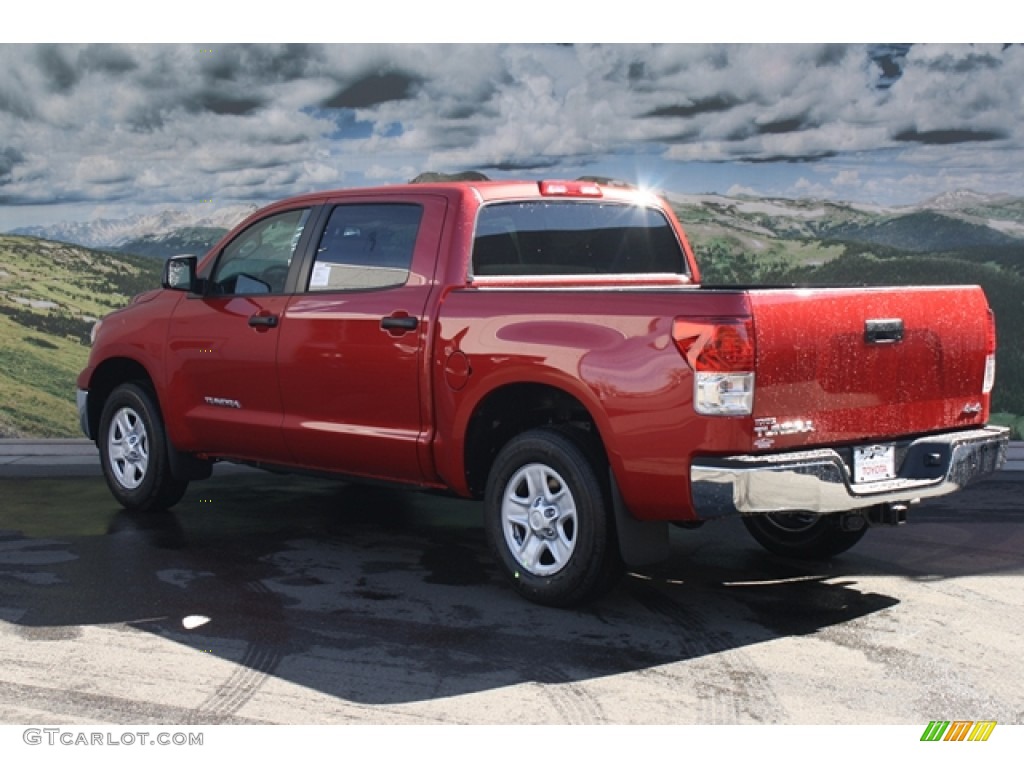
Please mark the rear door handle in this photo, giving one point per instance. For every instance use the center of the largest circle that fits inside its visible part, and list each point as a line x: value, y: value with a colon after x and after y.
x: 263, y: 321
x: 400, y: 323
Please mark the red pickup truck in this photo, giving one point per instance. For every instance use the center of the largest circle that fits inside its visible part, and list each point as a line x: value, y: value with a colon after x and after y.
x: 546, y: 347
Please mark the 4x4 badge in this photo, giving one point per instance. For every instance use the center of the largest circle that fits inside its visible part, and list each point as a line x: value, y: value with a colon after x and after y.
x: 770, y: 427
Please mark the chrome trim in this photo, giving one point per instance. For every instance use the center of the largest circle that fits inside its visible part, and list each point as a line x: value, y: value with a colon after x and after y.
x: 82, y: 400
x: 819, y: 480
x: 603, y: 281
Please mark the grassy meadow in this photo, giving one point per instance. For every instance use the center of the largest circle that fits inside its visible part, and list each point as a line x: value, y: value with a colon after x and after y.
x: 50, y: 296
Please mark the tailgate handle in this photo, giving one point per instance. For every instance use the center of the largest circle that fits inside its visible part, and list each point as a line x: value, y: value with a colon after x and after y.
x: 888, y: 331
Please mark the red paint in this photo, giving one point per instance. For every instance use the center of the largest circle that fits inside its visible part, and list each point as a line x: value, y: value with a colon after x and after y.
x: 332, y: 386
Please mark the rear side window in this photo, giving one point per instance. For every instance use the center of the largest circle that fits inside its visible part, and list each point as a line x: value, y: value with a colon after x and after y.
x: 574, y: 238
x: 366, y: 246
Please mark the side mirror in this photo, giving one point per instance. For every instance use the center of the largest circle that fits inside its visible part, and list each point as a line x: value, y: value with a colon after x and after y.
x: 180, y: 274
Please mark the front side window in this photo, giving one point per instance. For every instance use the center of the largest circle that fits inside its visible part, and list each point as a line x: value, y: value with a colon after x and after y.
x: 574, y: 238
x: 366, y: 246
x: 258, y: 260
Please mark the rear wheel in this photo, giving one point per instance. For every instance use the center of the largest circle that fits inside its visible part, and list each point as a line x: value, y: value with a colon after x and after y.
x: 134, y: 452
x: 548, y: 518
x: 802, y: 535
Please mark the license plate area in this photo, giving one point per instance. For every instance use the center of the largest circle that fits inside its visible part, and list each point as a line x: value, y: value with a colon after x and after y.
x: 874, y: 463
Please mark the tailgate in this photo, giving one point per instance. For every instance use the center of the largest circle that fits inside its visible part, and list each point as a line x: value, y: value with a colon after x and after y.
x: 860, y: 364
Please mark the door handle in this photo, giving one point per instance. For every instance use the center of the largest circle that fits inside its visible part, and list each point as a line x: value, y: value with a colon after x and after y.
x: 887, y: 331
x: 263, y: 321
x: 401, y: 323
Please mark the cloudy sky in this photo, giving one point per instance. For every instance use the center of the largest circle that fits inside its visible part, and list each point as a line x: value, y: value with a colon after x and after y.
x: 90, y: 131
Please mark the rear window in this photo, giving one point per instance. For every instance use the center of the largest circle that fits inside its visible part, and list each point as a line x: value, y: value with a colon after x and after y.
x: 574, y: 238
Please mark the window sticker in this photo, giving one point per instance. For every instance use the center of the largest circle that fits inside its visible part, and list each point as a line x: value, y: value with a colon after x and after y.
x: 321, y: 277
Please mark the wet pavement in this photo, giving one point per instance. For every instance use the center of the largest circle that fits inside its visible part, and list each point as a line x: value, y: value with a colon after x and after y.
x: 271, y: 599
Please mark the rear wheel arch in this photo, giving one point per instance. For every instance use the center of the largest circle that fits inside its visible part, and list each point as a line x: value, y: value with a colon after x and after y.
x: 512, y: 409
x: 515, y: 409
x: 548, y: 516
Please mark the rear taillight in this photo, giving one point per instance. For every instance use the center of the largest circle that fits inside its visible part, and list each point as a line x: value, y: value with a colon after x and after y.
x: 721, y: 353
x: 990, y: 355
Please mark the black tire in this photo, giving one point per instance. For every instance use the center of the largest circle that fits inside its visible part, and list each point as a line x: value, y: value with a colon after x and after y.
x: 548, y: 518
x: 134, y: 452
x: 802, y: 535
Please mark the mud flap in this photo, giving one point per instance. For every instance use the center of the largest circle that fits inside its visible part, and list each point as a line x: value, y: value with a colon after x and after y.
x: 641, y: 542
x: 185, y: 466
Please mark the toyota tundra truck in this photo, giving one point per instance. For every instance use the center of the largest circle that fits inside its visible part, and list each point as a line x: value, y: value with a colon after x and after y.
x: 548, y: 348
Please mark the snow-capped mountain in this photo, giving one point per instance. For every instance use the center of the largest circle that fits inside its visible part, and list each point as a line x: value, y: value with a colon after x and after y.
x: 960, y: 199
x: 114, y: 233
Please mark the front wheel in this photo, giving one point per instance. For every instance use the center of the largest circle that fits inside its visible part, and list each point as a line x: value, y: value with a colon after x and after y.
x: 802, y: 535
x: 548, y: 518
x: 134, y: 452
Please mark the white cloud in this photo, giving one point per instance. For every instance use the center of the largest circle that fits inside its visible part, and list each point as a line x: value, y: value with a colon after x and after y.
x: 167, y: 124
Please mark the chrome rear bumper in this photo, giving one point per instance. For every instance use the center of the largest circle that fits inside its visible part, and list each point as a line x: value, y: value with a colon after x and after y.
x: 820, y: 480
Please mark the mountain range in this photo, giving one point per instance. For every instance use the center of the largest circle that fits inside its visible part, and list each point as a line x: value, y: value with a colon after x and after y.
x: 951, y: 221
x: 166, y: 233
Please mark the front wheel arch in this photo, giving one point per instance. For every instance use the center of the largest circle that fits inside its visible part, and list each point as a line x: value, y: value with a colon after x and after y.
x: 107, y: 377
x: 135, y: 454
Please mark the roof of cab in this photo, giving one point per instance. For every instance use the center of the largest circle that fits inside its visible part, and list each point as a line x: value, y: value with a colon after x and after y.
x: 484, y: 190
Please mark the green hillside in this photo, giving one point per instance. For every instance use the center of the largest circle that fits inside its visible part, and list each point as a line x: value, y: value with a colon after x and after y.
x: 50, y: 295
x: 922, y: 232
